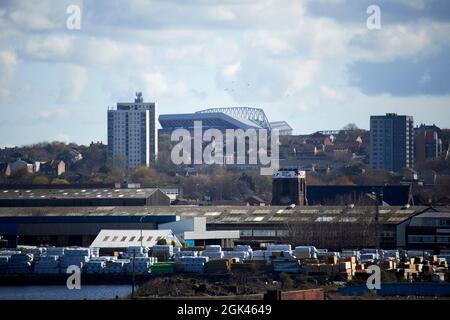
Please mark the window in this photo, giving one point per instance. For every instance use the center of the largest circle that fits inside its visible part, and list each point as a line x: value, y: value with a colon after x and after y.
x: 444, y: 222
x: 264, y: 233
x: 414, y: 239
x: 149, y: 239
x: 124, y: 238
x: 282, y: 233
x: 106, y: 238
x: 245, y: 233
x: 440, y: 239
x: 115, y: 238
x: 325, y: 219
x: 132, y: 238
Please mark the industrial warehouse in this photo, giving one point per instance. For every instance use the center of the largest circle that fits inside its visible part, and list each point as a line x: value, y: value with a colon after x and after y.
x: 114, y: 232
x: 323, y: 226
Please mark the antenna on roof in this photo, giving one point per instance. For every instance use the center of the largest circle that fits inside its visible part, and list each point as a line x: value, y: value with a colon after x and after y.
x: 139, y: 97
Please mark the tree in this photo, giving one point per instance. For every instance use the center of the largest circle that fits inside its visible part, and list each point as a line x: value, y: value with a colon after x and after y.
x: 286, y: 281
x: 344, y: 181
x: 350, y: 127
x: 161, y: 242
x: 59, y: 181
x: 147, y: 176
x: 40, y: 180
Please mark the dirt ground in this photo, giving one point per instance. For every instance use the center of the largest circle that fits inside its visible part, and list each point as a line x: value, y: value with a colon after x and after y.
x: 219, y: 285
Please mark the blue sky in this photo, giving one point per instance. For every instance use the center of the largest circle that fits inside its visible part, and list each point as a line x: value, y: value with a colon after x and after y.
x: 312, y: 63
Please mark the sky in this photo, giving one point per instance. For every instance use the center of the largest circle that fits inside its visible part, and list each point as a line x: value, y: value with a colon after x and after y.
x: 313, y: 63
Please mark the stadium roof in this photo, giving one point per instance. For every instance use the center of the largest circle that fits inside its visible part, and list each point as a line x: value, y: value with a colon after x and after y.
x: 280, y: 125
x: 217, y: 120
x: 233, y: 214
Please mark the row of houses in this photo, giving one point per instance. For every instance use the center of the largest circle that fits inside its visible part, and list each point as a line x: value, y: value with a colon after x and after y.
x: 52, y: 168
x: 323, y: 148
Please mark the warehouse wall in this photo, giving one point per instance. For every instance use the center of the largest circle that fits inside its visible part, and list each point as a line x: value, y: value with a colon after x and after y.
x: 158, y: 198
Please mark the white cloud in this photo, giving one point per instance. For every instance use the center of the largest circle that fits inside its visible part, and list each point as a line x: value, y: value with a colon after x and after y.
x: 184, y: 53
x: 222, y: 13
x: 54, y: 114
x: 50, y: 48
x: 230, y: 72
x: 88, y: 50
x: 415, y: 4
x: 269, y: 42
x: 157, y: 85
x: 332, y: 93
x: 31, y: 20
x: 304, y: 73
x: 62, y: 137
x: 78, y: 81
x: 76, y: 77
x: 8, y: 63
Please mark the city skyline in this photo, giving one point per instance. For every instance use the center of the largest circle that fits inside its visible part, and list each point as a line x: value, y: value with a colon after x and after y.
x: 56, y: 83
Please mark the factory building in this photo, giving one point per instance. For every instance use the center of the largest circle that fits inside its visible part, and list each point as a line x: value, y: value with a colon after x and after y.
x: 394, y: 195
x: 429, y: 229
x: 71, y: 226
x: 322, y: 226
x: 82, y: 197
x: 289, y: 187
x: 192, y: 231
x: 122, y: 239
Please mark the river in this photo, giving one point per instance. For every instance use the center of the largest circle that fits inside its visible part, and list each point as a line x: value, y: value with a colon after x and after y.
x: 89, y: 292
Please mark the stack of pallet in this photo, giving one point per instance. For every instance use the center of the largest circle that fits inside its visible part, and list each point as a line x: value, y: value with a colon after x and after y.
x: 117, y: 266
x: 142, y: 265
x: 388, y: 265
x: 19, y: 263
x: 74, y: 256
x: 95, y: 266
x: 322, y: 270
x: 52, y: 251
x: 136, y: 251
x: 280, y: 256
x: 305, y: 252
x: 193, y: 264
x: 258, y: 255
x: 218, y: 266
x: 47, y: 265
x: 213, y: 252
x: 187, y: 253
x: 4, y: 262
x: 162, y: 252
x: 241, y: 255
x: 347, y: 267
x: 289, y: 266
x: 245, y: 248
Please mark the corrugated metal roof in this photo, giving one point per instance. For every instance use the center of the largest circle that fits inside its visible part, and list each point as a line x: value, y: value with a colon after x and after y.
x: 129, y: 238
x: 76, y: 193
x: 218, y: 214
